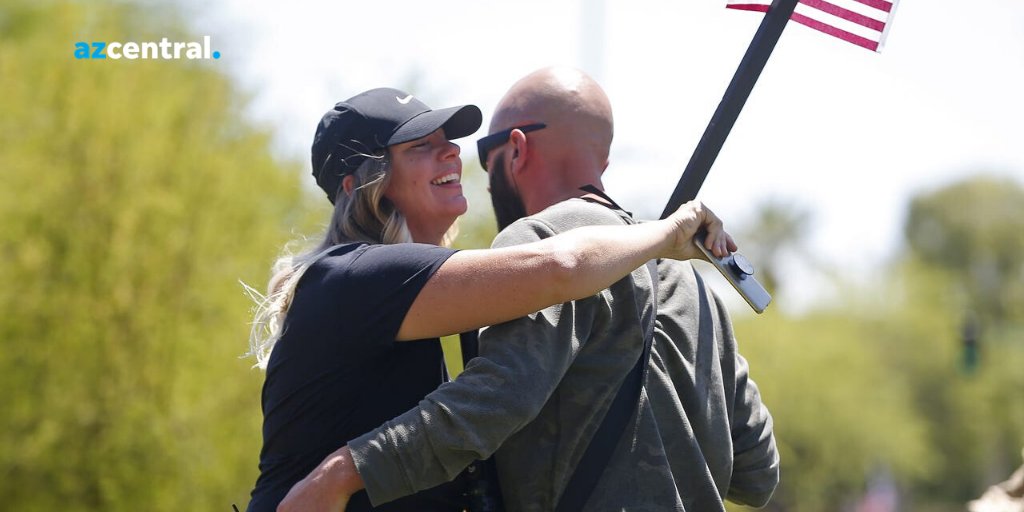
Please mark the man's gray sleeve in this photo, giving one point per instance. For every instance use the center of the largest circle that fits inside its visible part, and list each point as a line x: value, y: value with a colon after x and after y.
x: 469, y: 418
x: 755, y: 457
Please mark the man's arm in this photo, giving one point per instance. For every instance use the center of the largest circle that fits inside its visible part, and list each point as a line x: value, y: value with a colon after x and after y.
x: 755, y: 457
x: 492, y: 399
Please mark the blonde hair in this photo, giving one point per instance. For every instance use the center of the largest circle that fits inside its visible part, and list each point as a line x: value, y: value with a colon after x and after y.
x: 364, y: 215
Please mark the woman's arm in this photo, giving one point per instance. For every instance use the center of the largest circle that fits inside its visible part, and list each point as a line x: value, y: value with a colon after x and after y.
x: 475, y: 288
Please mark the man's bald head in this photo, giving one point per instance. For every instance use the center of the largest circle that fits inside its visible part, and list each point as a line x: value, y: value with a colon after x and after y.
x: 575, y: 109
x: 535, y: 170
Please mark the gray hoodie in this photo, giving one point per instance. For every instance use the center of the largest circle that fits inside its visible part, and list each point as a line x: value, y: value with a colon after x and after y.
x: 544, y: 382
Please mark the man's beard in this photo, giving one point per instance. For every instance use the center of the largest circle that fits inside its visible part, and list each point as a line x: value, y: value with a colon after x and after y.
x: 508, y: 206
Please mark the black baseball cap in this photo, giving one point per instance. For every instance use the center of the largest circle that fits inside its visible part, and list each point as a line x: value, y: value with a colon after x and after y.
x: 369, y: 122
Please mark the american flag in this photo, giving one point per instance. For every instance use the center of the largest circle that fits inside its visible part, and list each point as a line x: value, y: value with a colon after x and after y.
x: 861, y: 22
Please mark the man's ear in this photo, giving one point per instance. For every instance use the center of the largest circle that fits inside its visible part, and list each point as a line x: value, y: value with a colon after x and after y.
x: 348, y: 183
x: 520, y: 150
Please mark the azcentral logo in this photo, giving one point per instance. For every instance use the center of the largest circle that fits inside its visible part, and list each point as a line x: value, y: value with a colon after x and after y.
x: 131, y: 50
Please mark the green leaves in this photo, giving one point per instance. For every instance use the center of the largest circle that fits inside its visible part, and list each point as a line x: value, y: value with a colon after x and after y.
x: 975, y: 229
x: 134, y: 198
x: 876, y: 383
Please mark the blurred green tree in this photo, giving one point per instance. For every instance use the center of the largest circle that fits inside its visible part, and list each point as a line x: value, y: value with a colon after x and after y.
x: 975, y: 229
x: 477, y: 228
x: 135, y: 196
x: 776, y: 234
x: 839, y: 413
x: 964, y: 271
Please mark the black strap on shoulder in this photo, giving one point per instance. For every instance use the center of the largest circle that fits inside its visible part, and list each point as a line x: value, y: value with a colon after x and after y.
x: 483, y: 491
x: 470, y: 345
x: 599, y: 452
x: 608, y: 201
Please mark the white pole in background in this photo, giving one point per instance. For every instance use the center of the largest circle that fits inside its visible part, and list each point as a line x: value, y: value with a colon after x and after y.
x: 592, y: 37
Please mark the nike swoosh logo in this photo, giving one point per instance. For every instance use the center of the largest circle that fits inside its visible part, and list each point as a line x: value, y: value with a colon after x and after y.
x: 405, y: 100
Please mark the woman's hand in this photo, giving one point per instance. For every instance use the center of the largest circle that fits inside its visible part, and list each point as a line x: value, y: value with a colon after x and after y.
x: 690, y: 219
x: 326, y: 488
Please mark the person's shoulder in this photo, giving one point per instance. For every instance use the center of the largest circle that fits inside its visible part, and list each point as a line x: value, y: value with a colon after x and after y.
x: 575, y: 212
x: 400, y: 249
x: 581, y: 210
x: 338, y: 256
x: 362, y: 256
x: 555, y: 219
x: 355, y: 268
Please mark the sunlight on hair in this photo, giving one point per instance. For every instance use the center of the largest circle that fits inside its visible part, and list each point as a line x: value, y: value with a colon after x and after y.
x: 364, y: 215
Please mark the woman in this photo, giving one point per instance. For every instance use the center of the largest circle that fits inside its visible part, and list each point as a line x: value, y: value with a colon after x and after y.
x: 327, y: 332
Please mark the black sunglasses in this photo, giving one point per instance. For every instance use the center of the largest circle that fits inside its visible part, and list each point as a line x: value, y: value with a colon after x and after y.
x: 485, y: 144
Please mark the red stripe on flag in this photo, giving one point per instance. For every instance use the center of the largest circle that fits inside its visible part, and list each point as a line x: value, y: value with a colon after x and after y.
x: 835, y: 32
x: 881, y: 5
x: 748, y: 7
x: 848, y: 15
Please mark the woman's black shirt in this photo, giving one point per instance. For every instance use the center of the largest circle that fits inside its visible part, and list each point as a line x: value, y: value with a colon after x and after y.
x: 337, y: 372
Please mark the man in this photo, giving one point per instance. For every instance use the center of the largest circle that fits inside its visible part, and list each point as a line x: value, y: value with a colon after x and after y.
x: 544, y: 383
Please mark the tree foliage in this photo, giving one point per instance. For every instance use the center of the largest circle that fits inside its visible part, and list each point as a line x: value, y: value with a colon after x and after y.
x: 839, y: 413
x: 966, y: 266
x: 134, y: 198
x: 877, y: 382
x: 975, y: 229
x: 777, y: 233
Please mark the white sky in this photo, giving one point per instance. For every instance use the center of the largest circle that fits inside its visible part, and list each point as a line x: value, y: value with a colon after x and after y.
x: 842, y: 131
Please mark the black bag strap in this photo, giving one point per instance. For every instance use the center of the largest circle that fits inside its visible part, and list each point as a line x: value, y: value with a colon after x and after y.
x: 483, y: 491
x: 469, y: 342
x: 599, y: 452
x: 608, y: 201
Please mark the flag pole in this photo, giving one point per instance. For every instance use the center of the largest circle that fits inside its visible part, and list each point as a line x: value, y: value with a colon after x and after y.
x: 735, y: 97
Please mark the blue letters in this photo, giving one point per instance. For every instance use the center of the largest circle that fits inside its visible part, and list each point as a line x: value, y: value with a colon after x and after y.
x: 82, y: 50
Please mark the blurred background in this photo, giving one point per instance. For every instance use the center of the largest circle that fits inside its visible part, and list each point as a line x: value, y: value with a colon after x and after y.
x: 880, y: 195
